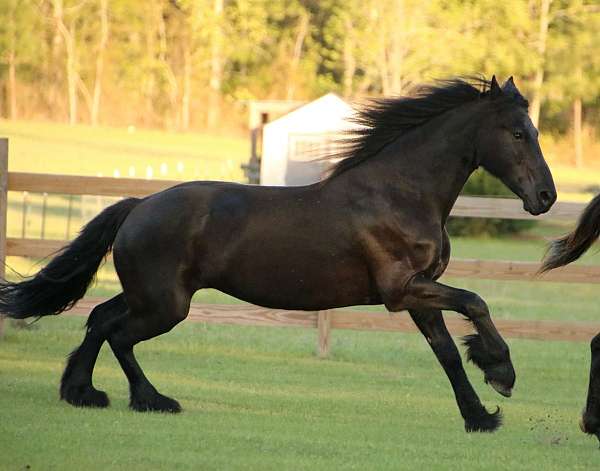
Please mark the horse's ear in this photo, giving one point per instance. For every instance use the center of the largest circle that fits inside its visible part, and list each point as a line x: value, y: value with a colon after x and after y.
x: 509, y: 86
x: 495, y: 90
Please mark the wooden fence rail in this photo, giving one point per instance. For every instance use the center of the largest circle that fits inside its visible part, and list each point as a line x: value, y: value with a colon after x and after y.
x: 325, y: 321
x: 512, y: 208
x: 80, y: 185
x: 465, y: 207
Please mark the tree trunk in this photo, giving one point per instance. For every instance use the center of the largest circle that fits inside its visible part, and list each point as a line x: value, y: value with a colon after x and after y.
x: 71, y: 73
x: 68, y: 36
x: 349, y: 58
x: 12, y: 84
x: 187, y: 89
x: 149, y: 80
x: 297, y: 55
x: 169, y: 75
x: 12, y: 62
x: 577, y: 134
x: 378, y: 24
x: 85, y: 93
x: 216, y: 66
x: 52, y: 67
x: 538, y: 80
x: 95, y: 111
x: 397, y: 49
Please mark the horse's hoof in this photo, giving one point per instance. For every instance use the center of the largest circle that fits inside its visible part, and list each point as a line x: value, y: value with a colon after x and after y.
x: 582, y: 425
x: 501, y: 377
x: 84, y: 396
x: 155, y: 403
x: 484, y: 421
x: 500, y: 388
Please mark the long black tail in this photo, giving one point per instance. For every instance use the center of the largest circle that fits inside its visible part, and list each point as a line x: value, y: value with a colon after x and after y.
x: 64, y: 281
x: 569, y: 248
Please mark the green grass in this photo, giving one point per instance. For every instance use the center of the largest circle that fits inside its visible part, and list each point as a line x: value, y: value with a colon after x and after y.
x: 44, y: 147
x: 258, y: 398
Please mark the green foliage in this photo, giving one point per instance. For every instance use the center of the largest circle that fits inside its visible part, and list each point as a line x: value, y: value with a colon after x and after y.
x: 482, y: 183
x: 164, y: 59
x: 573, y: 73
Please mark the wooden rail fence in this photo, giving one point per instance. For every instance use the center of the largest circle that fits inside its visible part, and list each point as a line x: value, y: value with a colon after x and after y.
x: 324, y: 321
x: 465, y: 207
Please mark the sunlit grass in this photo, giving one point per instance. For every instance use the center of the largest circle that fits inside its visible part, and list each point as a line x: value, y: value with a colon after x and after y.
x: 44, y: 147
x: 258, y: 398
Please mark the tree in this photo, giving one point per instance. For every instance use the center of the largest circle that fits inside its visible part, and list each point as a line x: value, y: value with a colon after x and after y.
x: 18, y: 46
x: 575, y: 65
x: 179, y: 64
x: 69, y: 39
x: 543, y: 16
x: 216, y: 64
x: 11, y: 53
x: 102, y: 43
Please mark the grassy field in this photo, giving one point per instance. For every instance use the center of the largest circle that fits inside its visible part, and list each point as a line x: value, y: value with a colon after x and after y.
x: 258, y: 398
x: 82, y: 150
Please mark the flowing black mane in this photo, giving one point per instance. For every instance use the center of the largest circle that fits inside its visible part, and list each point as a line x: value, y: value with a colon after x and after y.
x: 383, y: 120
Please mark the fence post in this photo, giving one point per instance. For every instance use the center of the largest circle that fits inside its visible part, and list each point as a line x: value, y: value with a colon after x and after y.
x: 3, y: 212
x: 324, y: 327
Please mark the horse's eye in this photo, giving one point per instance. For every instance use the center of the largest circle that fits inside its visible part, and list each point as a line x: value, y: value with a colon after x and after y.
x: 518, y: 135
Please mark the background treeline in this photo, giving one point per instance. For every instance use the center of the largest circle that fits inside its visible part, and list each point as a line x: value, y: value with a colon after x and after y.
x: 182, y: 64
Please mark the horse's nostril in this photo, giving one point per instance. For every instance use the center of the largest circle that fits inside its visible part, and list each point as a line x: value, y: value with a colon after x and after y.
x: 546, y: 196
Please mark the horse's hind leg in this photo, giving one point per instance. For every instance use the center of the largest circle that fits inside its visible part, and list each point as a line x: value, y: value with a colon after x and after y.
x: 432, y: 326
x: 76, y: 384
x: 590, y: 419
x: 157, y: 314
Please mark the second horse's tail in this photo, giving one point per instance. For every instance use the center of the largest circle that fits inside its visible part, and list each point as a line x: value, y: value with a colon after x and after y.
x: 569, y: 248
x: 64, y: 281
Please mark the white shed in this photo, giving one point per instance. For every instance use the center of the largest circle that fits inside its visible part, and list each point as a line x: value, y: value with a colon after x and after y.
x: 292, y: 142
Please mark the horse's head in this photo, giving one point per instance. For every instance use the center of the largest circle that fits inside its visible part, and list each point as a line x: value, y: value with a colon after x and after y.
x: 508, y: 148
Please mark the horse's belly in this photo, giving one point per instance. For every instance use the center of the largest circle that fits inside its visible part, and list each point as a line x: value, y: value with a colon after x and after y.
x: 303, y: 283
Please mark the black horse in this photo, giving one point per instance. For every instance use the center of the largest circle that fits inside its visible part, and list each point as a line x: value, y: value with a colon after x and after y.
x: 561, y: 252
x: 372, y: 232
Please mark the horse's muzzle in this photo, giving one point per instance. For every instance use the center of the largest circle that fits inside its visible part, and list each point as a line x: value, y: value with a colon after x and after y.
x: 543, y: 201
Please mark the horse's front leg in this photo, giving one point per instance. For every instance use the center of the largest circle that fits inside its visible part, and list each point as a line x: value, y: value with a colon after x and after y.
x: 590, y: 420
x: 488, y: 350
x: 432, y: 326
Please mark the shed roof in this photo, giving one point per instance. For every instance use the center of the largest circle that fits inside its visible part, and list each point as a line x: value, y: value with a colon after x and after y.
x: 325, y: 114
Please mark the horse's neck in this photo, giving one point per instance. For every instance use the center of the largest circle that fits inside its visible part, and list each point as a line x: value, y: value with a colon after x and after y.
x: 431, y: 164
